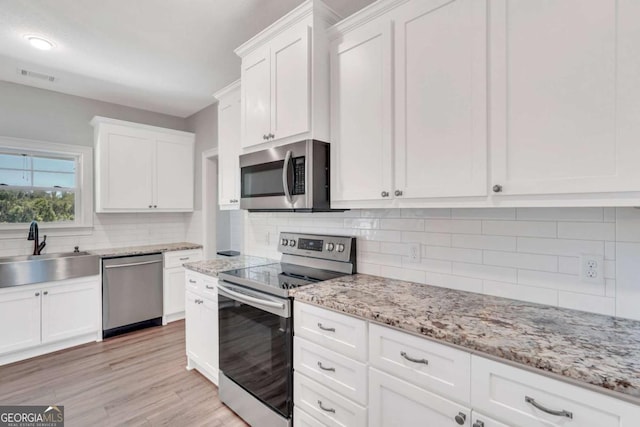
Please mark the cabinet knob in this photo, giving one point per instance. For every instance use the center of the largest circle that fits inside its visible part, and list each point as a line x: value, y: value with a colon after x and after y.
x: 37, y: 294
x: 265, y: 137
x: 385, y: 194
x: 478, y: 424
x: 271, y: 136
x: 497, y: 188
x: 150, y: 206
x: 461, y: 418
x: 155, y: 206
x: 45, y: 293
x: 398, y: 193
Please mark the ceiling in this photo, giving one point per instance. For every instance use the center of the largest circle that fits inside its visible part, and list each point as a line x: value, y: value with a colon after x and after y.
x: 167, y: 56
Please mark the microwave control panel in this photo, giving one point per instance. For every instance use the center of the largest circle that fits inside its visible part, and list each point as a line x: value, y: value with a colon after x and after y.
x: 298, y: 176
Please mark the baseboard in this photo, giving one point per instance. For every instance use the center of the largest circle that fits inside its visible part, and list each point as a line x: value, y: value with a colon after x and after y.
x: 211, y: 376
x: 28, y: 353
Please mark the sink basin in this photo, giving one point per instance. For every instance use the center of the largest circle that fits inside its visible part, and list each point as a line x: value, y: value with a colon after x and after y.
x: 28, y: 269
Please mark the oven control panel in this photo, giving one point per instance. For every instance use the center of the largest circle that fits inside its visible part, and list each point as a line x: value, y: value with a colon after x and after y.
x: 338, y: 248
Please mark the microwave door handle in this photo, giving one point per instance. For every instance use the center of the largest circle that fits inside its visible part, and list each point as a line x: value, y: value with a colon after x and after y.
x: 285, y: 178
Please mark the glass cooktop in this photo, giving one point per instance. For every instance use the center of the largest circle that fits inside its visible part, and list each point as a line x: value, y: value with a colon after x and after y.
x: 277, y: 278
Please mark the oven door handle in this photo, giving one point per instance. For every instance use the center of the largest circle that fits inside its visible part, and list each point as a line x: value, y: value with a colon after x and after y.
x: 248, y: 299
x: 285, y: 178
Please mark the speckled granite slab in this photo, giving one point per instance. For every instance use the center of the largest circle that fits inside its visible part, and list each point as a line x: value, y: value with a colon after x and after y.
x: 590, y: 348
x: 147, y: 249
x: 223, y: 263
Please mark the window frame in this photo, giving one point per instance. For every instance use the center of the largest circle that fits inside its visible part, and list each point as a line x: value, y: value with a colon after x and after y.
x: 84, y: 180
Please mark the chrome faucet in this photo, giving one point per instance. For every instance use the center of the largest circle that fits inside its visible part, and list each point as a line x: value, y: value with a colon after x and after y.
x: 33, y: 235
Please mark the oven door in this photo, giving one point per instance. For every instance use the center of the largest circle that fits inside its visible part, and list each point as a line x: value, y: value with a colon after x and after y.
x: 277, y: 178
x: 256, y: 348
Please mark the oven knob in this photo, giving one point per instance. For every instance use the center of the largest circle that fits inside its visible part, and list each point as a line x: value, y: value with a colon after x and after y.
x: 340, y: 247
x: 284, y: 242
x: 330, y: 247
x: 292, y: 243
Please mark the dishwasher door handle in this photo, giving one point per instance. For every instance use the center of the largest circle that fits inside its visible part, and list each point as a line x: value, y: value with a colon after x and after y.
x: 134, y: 264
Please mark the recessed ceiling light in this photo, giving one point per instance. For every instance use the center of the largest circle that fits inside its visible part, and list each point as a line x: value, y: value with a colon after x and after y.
x: 40, y: 42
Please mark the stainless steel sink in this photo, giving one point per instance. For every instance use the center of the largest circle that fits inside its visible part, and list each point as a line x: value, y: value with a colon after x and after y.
x: 27, y: 269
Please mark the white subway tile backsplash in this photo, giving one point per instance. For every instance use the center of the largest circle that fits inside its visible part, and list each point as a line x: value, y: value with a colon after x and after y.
x: 591, y: 303
x: 610, y: 250
x: 525, y: 261
x: 587, y: 230
x: 484, y: 213
x: 569, y: 265
x: 566, y: 282
x: 627, y: 225
x: 405, y: 224
x: 486, y: 272
x: 454, y: 282
x: 452, y: 254
x: 394, y: 248
x: 433, y: 265
x: 403, y: 274
x: 519, y: 228
x: 628, y: 280
x: 560, y: 246
x: 520, y: 292
x: 381, y: 235
x: 560, y: 214
x: 432, y: 239
x: 365, y: 223
x: 474, y: 241
x: 425, y: 213
x: 452, y: 226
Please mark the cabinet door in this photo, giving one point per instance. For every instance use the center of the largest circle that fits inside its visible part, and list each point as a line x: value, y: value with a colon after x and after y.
x: 256, y: 97
x: 209, y: 335
x: 361, y: 121
x: 127, y: 170
x: 19, y: 320
x: 479, y: 420
x: 565, y: 100
x: 70, y: 310
x: 441, y: 111
x: 396, y: 403
x: 229, y: 151
x: 290, y: 82
x: 193, y: 326
x: 174, y: 174
x: 174, y: 291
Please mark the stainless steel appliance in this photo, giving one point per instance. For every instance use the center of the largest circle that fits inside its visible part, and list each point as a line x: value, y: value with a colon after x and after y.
x: 131, y: 293
x: 293, y: 177
x: 256, y: 324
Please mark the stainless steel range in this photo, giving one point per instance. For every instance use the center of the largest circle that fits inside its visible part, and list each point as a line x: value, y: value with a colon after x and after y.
x: 256, y: 324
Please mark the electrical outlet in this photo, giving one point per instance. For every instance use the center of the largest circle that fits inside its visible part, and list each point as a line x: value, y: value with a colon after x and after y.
x: 592, y: 269
x: 414, y: 252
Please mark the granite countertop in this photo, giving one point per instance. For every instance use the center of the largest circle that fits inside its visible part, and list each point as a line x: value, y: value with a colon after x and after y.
x: 598, y: 350
x: 147, y: 249
x: 223, y: 263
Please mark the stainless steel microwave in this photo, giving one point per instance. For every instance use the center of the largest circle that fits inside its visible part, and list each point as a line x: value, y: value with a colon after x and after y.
x: 292, y: 177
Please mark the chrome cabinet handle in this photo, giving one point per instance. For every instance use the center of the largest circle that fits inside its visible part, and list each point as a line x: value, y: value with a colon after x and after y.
x: 150, y: 206
x: 385, y: 194
x: 192, y: 281
x: 155, y: 206
x: 45, y: 293
x: 265, y: 137
x: 184, y: 259
x: 333, y: 411
x: 478, y: 424
x: 133, y: 264
x: 398, y: 193
x: 324, y: 368
x: 497, y: 188
x: 271, y: 136
x: 411, y: 359
x: 325, y: 328
x: 37, y: 294
x: 561, y: 413
x: 285, y: 180
x: 208, y: 287
x: 460, y: 418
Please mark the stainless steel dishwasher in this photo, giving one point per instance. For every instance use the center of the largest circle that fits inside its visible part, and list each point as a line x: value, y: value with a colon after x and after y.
x: 131, y: 293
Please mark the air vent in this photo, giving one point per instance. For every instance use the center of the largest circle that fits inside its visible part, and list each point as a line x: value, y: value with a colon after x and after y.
x: 36, y: 75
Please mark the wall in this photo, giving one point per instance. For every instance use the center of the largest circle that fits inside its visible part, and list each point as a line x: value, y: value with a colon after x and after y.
x: 204, y: 124
x: 527, y: 253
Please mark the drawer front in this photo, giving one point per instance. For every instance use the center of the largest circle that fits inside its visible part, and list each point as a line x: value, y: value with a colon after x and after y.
x: 177, y: 258
x: 479, y: 420
x: 441, y: 369
x: 338, y: 332
x: 397, y: 403
x: 302, y: 419
x: 340, y: 373
x: 524, y: 398
x: 194, y: 282
x: 325, y: 405
x: 210, y: 287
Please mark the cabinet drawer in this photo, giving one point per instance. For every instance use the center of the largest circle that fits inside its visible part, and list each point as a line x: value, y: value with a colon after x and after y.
x: 439, y: 368
x: 325, y: 405
x: 512, y: 394
x: 479, y: 420
x: 340, y: 373
x: 194, y: 282
x: 210, y: 287
x: 176, y: 259
x: 344, y: 334
x: 302, y: 419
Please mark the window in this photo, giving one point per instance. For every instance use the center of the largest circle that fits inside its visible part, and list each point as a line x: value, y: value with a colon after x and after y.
x: 46, y: 182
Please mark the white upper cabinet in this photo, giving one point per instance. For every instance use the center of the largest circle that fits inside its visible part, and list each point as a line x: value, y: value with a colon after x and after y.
x: 229, y: 146
x: 565, y: 100
x: 142, y: 168
x: 285, y: 78
x: 408, y: 103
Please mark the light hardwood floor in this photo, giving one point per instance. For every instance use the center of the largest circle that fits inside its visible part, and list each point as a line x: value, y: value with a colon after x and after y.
x: 136, y: 379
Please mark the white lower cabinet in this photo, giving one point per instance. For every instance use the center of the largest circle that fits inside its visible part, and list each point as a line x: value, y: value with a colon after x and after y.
x: 201, y: 313
x: 174, y: 283
x: 45, y: 317
x: 397, y: 403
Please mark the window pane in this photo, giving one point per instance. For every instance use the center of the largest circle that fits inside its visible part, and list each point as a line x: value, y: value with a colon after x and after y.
x: 24, y: 206
x: 54, y: 165
x: 51, y: 179
x: 18, y: 178
x: 15, y: 161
